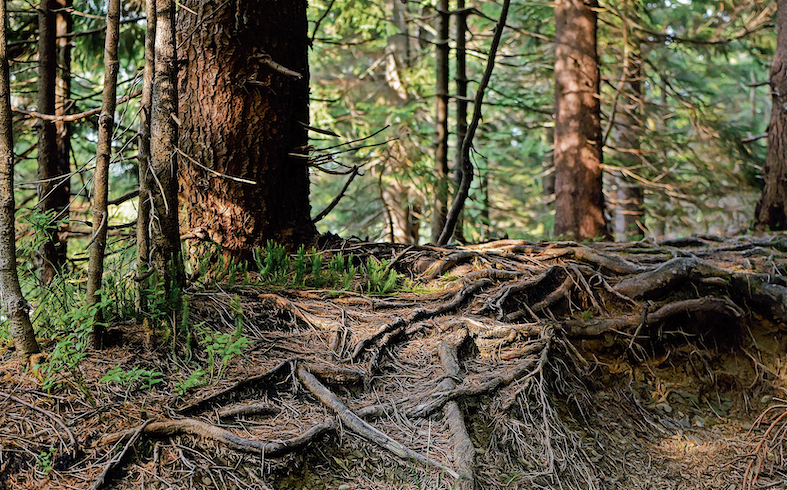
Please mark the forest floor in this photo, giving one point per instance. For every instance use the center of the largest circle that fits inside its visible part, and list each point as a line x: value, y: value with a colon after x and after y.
x: 511, y: 365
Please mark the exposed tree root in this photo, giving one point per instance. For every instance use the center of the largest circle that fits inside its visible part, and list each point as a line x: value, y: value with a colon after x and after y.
x: 464, y: 450
x: 357, y: 425
x: 168, y: 428
x: 505, y: 354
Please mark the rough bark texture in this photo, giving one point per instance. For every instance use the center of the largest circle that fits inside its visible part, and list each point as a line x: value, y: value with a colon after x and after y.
x: 106, y: 123
x: 162, y: 180
x: 245, y: 83
x: 441, y: 121
x: 771, y: 212
x: 579, y: 202
x: 14, y: 303
x: 52, y: 196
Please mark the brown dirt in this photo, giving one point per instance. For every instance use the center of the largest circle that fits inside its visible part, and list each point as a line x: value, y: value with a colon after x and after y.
x: 676, y: 408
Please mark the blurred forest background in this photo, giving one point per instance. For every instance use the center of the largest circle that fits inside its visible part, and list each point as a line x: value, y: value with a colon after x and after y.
x: 703, y: 110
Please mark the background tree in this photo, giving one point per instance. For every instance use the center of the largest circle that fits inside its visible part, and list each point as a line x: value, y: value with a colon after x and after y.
x: 442, y: 75
x: 244, y: 114
x: 100, y: 209
x: 52, y: 188
x: 162, y: 176
x: 771, y: 212
x: 579, y: 200
x: 14, y: 303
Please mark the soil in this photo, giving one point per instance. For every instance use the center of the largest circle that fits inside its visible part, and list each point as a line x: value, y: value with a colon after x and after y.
x: 511, y: 365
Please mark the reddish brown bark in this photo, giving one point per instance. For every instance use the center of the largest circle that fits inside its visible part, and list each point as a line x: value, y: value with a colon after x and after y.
x: 579, y: 202
x: 244, y: 79
x: 771, y: 211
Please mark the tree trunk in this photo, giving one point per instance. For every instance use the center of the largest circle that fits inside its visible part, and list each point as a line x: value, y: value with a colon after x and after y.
x: 628, y: 132
x: 64, y: 26
x: 143, y: 165
x: 461, y: 103
x: 106, y: 123
x: 441, y: 121
x: 579, y: 201
x: 165, y: 229
x: 771, y: 211
x: 14, y: 302
x: 51, y: 196
x: 245, y: 79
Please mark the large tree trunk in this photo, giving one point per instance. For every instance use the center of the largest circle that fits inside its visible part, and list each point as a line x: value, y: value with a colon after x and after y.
x: 441, y: 121
x: 579, y: 201
x: 244, y: 112
x: 53, y: 197
x: 14, y: 304
x: 771, y: 211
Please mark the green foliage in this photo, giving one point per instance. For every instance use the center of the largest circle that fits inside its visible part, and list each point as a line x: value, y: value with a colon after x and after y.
x: 221, y: 347
x: 45, y: 461
x: 147, y: 378
x: 379, y: 278
x: 196, y: 379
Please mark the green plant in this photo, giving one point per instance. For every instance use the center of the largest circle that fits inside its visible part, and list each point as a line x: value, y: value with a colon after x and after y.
x: 222, y: 347
x: 379, y: 278
x: 195, y: 380
x: 45, y: 461
x: 147, y: 378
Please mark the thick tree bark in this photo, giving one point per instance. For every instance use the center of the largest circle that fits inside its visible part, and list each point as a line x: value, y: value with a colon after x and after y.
x: 579, y: 201
x: 106, y: 123
x: 245, y: 78
x: 14, y: 302
x: 53, y: 197
x: 771, y: 211
x: 441, y: 121
x: 162, y: 178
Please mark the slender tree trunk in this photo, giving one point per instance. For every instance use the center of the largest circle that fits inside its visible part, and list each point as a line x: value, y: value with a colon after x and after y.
x: 245, y: 79
x: 165, y: 239
x: 441, y: 168
x: 106, y: 123
x: 52, y: 199
x: 143, y: 208
x: 579, y: 201
x: 64, y: 23
x: 629, y: 128
x: 461, y: 103
x: 14, y: 303
x: 771, y: 211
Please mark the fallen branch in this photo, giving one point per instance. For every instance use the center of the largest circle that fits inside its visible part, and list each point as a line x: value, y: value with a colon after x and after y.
x: 361, y: 428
